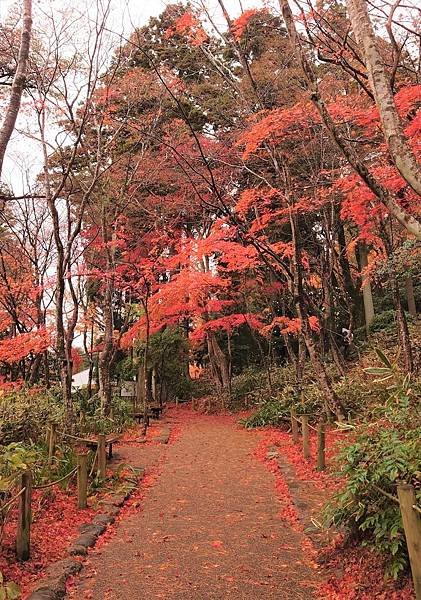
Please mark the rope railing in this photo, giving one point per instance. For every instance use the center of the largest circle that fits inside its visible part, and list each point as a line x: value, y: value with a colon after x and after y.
x: 298, y: 419
x: 51, y: 483
x: 386, y: 494
x: 75, y: 437
x: 12, y: 500
x: 93, y: 462
x: 99, y: 459
x: 406, y: 499
x: 394, y: 498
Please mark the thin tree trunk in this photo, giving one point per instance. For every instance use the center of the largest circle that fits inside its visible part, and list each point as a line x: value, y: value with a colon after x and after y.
x: 412, y: 307
x: 46, y: 370
x: 404, y: 338
x: 219, y: 363
x: 366, y: 289
x: 324, y: 381
x: 35, y: 367
x: 18, y: 81
x: 107, y: 350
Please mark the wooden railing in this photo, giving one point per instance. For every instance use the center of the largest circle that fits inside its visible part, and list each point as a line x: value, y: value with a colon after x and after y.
x: 410, y: 511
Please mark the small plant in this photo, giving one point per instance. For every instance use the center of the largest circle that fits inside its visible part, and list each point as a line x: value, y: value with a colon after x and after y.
x: 14, y: 458
x: 8, y: 590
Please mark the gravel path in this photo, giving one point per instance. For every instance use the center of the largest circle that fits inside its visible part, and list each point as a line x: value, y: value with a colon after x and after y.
x: 208, y: 529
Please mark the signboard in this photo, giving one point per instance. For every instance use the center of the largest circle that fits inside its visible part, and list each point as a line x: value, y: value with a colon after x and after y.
x: 128, y: 389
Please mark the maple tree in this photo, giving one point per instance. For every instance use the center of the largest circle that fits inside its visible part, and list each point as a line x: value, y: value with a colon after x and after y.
x: 233, y: 197
x: 225, y: 203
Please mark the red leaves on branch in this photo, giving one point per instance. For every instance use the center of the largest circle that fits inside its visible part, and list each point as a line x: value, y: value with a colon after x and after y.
x: 240, y: 24
x: 16, y: 348
x: 188, y: 25
x: 289, y: 326
x: 228, y: 324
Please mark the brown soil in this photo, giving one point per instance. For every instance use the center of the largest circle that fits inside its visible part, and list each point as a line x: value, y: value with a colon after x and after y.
x: 208, y: 529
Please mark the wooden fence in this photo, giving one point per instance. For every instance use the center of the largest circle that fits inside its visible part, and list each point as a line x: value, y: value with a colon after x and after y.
x: 26, y: 487
x: 410, y: 511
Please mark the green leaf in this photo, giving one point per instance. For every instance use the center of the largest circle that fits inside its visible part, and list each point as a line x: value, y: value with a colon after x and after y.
x: 13, y: 591
x: 383, y: 358
x: 377, y: 371
x: 3, y: 593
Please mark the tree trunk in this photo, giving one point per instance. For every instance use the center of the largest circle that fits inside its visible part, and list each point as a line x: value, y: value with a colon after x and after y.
x: 412, y: 307
x: 154, y: 385
x: 366, y: 289
x: 404, y: 338
x: 35, y: 367
x: 299, y: 300
x: 105, y: 356
x: 219, y: 363
x: 105, y: 387
x: 399, y: 148
x: 301, y: 361
x: 18, y: 81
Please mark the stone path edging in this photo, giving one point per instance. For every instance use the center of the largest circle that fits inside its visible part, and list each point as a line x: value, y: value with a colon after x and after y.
x: 53, y: 585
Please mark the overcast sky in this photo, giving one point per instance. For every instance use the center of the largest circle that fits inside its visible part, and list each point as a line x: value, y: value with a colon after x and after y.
x: 23, y: 155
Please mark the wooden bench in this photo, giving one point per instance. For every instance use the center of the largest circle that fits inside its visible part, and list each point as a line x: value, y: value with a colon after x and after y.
x: 156, y: 411
x: 140, y: 417
x: 109, y: 441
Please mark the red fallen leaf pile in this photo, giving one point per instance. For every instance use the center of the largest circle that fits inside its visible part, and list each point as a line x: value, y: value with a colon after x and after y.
x: 362, y: 577
x: 56, y: 520
x: 288, y: 512
x: 363, y: 571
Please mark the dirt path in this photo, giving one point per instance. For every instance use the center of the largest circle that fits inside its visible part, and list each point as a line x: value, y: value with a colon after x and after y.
x: 208, y: 529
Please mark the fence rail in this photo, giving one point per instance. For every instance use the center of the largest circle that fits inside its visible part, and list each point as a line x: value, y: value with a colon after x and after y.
x: 24, y: 495
x: 11, y: 501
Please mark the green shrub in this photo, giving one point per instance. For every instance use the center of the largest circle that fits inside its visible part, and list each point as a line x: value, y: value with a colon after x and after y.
x: 93, y: 421
x: 9, y: 590
x: 273, y: 412
x: 202, y: 386
x: 384, y: 451
x: 24, y: 415
x: 252, y: 382
x: 14, y: 458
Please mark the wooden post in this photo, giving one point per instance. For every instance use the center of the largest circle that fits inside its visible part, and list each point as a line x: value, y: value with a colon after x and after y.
x: 23, y: 538
x: 321, y: 438
x: 102, y: 456
x: 294, y: 426
x: 412, y: 526
x: 52, y: 443
x: 82, y: 479
x: 306, y: 436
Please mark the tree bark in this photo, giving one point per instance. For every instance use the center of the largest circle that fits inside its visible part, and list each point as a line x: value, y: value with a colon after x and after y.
x: 366, y: 289
x: 219, y: 363
x: 18, y: 81
x: 331, y: 397
x: 412, y: 307
x: 105, y: 356
x: 399, y: 148
x: 404, y: 338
